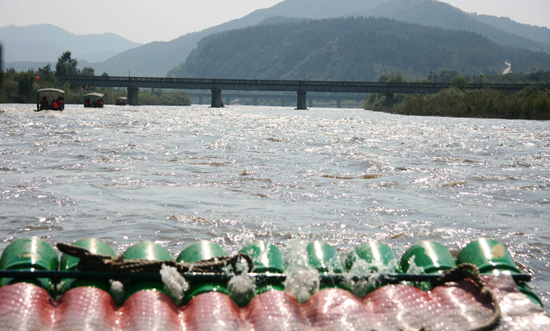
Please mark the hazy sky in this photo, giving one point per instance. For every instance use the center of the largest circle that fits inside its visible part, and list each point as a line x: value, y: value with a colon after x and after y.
x: 163, y: 20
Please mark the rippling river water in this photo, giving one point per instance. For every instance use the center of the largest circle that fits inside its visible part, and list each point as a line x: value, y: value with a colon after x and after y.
x: 176, y: 175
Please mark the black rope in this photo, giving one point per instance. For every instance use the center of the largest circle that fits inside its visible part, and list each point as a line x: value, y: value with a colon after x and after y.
x: 468, y: 270
x: 96, y: 262
x: 211, y: 276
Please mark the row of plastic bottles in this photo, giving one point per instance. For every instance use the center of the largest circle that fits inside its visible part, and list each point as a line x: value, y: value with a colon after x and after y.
x: 427, y: 257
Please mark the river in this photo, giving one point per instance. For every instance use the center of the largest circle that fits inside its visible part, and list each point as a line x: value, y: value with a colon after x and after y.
x: 175, y: 175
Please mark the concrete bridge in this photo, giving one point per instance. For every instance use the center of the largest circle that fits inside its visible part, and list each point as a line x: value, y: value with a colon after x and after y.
x: 301, y: 87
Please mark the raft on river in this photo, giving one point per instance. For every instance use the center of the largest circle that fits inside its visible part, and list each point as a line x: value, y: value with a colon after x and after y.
x: 144, y: 288
x: 93, y: 100
x: 57, y: 99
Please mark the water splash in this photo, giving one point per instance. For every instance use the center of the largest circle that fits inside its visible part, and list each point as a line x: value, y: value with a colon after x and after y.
x: 174, y: 283
x: 241, y: 288
x: 374, y: 270
x: 302, y: 280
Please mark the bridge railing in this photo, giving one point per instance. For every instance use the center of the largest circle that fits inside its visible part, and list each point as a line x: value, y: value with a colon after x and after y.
x: 255, y: 84
x: 279, y: 85
x: 299, y: 86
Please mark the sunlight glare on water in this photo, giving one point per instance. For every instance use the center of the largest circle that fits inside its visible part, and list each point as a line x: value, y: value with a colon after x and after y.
x: 240, y: 174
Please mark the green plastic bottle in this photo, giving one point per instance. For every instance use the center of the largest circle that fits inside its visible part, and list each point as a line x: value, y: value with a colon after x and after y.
x: 267, y: 259
x: 492, y: 257
x: 376, y: 255
x: 202, y: 250
x: 325, y: 259
x: 29, y: 254
x: 379, y: 257
x: 70, y: 263
x: 430, y: 257
x: 146, y: 250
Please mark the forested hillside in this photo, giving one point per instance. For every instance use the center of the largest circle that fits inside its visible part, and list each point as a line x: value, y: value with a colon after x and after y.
x: 156, y: 59
x: 350, y: 49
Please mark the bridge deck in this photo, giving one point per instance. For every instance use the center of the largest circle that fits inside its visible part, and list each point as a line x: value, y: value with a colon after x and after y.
x: 300, y: 86
x: 275, y: 85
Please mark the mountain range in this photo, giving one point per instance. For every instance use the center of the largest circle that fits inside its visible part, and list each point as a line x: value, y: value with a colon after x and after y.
x: 353, y: 48
x: 45, y: 43
x: 167, y: 58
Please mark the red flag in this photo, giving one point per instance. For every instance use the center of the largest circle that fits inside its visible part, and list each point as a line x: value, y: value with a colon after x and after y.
x: 38, y: 78
x: 86, y: 87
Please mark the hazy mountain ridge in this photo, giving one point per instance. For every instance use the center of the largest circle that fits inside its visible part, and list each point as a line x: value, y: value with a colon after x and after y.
x: 45, y: 43
x: 350, y: 49
x: 160, y: 58
x: 157, y: 58
x: 533, y: 32
x: 424, y: 12
x: 442, y: 15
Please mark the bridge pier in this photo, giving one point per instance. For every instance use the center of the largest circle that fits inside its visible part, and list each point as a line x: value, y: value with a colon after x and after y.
x: 216, y: 98
x: 133, y: 96
x: 389, y: 99
x: 301, y: 104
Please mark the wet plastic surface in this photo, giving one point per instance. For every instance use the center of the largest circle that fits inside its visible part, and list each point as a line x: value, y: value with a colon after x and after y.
x: 454, y: 306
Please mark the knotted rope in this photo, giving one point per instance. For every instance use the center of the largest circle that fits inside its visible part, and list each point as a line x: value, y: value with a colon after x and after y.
x: 468, y: 270
x: 97, y: 262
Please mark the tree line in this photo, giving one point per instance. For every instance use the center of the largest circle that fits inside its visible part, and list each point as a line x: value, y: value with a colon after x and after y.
x: 21, y: 87
x: 531, y: 103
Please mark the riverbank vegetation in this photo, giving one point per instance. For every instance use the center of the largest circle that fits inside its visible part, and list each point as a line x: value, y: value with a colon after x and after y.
x: 532, y: 103
x: 21, y: 87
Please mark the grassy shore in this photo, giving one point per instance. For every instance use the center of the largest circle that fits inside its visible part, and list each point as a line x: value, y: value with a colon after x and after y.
x: 531, y: 104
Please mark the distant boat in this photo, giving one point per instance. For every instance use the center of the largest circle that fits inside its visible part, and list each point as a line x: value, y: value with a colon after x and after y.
x: 93, y: 100
x: 121, y: 101
x: 57, y: 101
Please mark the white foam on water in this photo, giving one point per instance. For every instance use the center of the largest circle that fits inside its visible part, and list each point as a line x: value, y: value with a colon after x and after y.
x: 361, y: 268
x: 242, y: 287
x: 302, y: 280
x: 117, y: 291
x: 414, y: 269
x: 358, y: 287
x: 174, y: 282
